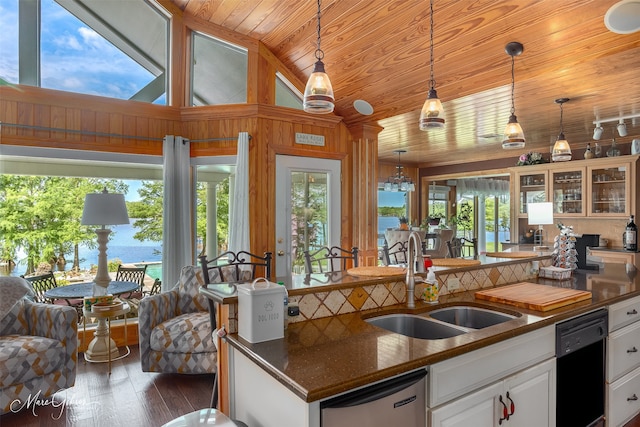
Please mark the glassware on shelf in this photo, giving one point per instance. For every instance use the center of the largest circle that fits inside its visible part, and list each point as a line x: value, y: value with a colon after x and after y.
x: 597, y: 150
x: 614, y: 151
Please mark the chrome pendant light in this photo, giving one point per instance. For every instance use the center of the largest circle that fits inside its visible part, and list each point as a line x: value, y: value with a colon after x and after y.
x: 561, y: 151
x: 318, y: 94
x: 513, y: 134
x: 432, y: 114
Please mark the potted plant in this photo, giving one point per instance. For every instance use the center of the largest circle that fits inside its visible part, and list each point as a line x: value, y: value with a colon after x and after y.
x: 434, y: 219
x: 404, y: 223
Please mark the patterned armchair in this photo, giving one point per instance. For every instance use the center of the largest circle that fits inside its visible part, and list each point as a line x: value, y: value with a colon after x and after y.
x: 38, y: 347
x: 174, y: 329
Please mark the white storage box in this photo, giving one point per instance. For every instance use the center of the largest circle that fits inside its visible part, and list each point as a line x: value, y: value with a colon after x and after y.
x: 261, y: 311
x: 556, y: 273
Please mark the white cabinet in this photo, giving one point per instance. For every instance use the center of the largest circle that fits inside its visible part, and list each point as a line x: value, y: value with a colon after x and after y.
x: 526, y: 399
x: 623, y: 362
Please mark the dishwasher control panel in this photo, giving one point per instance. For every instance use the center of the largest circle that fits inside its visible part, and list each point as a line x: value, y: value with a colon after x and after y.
x: 581, y: 331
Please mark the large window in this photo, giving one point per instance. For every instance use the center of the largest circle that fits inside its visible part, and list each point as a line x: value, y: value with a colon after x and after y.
x: 219, y: 72
x: 392, y: 206
x: 96, y: 48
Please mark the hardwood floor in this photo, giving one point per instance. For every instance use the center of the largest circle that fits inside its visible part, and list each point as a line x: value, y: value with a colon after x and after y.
x: 129, y: 397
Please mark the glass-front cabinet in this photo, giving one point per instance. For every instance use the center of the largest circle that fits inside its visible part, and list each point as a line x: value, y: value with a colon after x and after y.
x: 532, y: 188
x: 610, y: 189
x: 568, y: 192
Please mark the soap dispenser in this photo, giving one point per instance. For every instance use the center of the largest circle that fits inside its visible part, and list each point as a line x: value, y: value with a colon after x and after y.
x: 431, y: 287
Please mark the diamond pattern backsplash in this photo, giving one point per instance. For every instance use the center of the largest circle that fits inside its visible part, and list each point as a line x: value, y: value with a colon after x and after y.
x: 325, y: 304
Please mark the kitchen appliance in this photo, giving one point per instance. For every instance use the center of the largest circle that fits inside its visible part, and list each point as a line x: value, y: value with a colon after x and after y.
x: 580, y: 384
x: 397, y: 402
x: 590, y: 240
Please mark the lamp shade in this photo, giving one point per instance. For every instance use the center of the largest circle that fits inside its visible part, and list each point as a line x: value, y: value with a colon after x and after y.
x: 104, y: 209
x: 540, y: 213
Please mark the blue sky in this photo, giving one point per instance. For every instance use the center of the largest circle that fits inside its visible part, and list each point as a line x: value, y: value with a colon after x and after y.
x: 73, y: 57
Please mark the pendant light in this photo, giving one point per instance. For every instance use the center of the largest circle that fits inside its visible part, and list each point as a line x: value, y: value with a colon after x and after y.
x: 431, y: 115
x: 561, y: 150
x: 513, y: 134
x: 318, y: 94
x: 399, y: 182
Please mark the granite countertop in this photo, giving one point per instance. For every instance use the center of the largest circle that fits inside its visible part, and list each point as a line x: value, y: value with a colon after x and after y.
x: 320, y: 358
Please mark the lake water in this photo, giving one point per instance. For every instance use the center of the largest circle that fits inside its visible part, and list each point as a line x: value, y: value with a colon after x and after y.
x: 122, y: 246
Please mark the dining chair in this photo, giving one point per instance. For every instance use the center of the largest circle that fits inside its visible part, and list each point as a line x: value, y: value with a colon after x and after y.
x: 461, y: 247
x: 327, y: 259
x: 394, y: 255
x: 43, y: 283
x: 132, y: 274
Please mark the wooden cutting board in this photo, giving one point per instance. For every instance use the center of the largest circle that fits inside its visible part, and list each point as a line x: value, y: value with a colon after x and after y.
x: 533, y: 297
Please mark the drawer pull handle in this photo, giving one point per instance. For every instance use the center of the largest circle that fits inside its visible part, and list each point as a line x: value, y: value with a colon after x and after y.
x: 505, y: 412
x: 632, y: 312
x: 634, y: 397
x: 512, y: 406
x: 632, y: 350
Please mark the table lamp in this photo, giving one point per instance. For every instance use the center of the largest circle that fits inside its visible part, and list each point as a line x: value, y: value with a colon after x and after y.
x: 539, y: 214
x: 103, y: 209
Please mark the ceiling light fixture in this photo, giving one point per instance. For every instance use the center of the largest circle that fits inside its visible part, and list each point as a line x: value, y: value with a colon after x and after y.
x: 318, y: 94
x: 597, y: 132
x: 622, y: 128
x: 561, y: 150
x: 431, y: 115
x: 399, y: 182
x: 513, y: 134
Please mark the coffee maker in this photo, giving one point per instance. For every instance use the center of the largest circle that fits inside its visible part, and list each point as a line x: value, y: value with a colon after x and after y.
x: 582, y: 242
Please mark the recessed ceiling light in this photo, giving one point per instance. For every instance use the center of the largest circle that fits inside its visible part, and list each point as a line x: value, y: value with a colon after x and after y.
x: 623, y: 17
x: 363, y: 107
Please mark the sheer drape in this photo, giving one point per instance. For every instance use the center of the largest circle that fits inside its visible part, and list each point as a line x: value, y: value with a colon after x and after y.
x: 177, y: 248
x: 239, y: 207
x: 482, y: 187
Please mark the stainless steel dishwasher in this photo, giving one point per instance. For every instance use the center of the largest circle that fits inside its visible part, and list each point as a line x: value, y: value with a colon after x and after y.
x: 397, y: 402
x: 580, y: 379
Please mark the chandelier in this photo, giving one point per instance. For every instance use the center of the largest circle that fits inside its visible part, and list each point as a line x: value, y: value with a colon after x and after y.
x: 399, y: 182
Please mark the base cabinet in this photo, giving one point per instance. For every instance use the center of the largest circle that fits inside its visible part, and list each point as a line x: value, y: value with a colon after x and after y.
x: 623, y: 363
x: 526, y: 399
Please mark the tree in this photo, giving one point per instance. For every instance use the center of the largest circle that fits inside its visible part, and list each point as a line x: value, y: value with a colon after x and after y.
x: 42, y: 216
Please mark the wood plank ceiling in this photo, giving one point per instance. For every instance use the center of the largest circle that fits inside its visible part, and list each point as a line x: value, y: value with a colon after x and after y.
x: 378, y: 51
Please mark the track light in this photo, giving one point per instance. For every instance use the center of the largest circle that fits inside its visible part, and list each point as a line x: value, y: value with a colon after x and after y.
x: 622, y: 128
x: 597, y: 132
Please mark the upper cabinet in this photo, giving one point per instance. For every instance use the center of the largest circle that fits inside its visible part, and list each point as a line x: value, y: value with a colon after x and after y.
x: 602, y: 187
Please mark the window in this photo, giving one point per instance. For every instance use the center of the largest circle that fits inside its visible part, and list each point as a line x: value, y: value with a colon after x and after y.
x: 286, y: 94
x: 219, y: 72
x: 392, y: 205
x: 95, y: 48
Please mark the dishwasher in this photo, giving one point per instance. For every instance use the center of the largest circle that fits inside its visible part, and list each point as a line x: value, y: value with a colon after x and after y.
x: 580, y: 375
x: 397, y: 402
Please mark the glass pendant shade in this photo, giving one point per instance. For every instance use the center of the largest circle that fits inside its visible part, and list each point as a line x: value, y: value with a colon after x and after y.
x: 432, y: 112
x: 561, y: 150
x: 318, y: 94
x: 513, y: 134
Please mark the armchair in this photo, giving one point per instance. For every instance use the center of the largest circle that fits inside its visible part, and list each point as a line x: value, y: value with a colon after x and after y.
x: 175, y: 330
x: 38, y: 346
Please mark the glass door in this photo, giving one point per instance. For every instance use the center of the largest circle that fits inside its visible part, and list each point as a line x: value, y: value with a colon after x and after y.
x: 532, y: 188
x: 609, y: 190
x: 308, y: 209
x: 567, y: 189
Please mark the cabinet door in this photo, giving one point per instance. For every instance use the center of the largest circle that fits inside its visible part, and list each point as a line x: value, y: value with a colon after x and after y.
x: 478, y: 409
x: 568, y: 191
x: 532, y: 393
x: 610, y: 189
x: 531, y: 187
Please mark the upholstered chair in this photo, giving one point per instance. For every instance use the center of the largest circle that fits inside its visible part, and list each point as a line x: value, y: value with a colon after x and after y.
x: 175, y: 330
x: 38, y: 346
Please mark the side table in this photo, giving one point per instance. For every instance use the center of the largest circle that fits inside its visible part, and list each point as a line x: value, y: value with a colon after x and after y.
x: 102, y: 347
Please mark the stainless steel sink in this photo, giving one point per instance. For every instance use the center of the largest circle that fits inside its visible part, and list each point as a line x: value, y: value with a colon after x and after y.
x: 415, y: 326
x: 470, y: 317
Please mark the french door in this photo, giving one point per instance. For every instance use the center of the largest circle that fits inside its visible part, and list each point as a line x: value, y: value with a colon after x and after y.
x: 308, y: 209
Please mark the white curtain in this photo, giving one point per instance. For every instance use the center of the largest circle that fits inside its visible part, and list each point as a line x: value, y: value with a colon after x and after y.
x: 177, y: 248
x: 482, y: 187
x: 239, y: 205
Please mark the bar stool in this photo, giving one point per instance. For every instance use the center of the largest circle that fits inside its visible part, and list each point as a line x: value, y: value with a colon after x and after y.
x: 204, y: 417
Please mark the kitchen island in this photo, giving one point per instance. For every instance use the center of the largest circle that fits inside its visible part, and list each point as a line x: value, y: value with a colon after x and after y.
x: 323, y: 357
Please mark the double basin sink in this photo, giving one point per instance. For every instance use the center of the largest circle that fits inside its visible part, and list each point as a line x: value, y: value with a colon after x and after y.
x: 441, y: 323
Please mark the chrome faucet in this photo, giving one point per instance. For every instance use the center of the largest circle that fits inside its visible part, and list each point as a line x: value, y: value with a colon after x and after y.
x: 415, y: 263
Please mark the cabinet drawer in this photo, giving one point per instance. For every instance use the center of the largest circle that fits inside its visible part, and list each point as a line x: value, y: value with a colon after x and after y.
x: 623, y: 399
x: 623, y: 351
x: 462, y: 374
x: 615, y: 257
x: 624, y: 313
